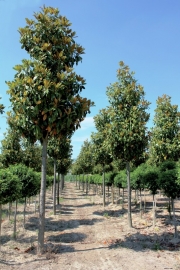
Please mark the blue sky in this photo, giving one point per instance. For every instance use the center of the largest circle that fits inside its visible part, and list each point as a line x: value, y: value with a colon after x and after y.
x: 144, y: 34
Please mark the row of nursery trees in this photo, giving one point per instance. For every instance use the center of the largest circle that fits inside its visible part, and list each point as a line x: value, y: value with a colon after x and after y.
x: 123, y: 141
x: 46, y: 105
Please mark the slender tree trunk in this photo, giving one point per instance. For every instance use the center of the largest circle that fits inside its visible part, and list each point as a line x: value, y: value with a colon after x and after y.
x: 9, y: 212
x: 42, y: 198
x: 86, y: 184
x: 144, y: 200
x: 140, y: 204
x: 62, y: 181
x: 174, y: 220
x: 129, y: 194
x: 123, y: 199
x: 83, y: 182
x: 79, y: 182
x: 104, y: 193
x: 169, y: 208
x: 35, y: 205
x: 112, y: 193
x: 24, y: 212
x: 15, y: 216
x: 61, y: 184
x: 58, y: 190
x: 54, y: 189
x: 154, y: 210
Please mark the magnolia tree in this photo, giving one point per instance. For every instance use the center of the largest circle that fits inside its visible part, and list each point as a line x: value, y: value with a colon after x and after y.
x: 165, y: 137
x: 11, y: 152
x: 58, y: 149
x: 99, y: 152
x: 31, y: 154
x: 85, y: 160
x: 127, y: 135
x: 45, y: 92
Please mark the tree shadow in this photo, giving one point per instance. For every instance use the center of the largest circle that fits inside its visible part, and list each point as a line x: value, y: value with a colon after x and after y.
x: 141, y: 242
x: 111, y: 213
x: 58, y: 225
x: 67, y: 237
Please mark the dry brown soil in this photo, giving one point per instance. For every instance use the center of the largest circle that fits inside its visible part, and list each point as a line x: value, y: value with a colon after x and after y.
x: 83, y: 235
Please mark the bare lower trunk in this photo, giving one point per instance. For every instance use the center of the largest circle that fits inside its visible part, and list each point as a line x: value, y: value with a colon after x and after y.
x: 103, y: 178
x: 154, y: 210
x: 15, y: 216
x: 79, y: 182
x: 144, y: 200
x: 62, y: 181
x: 123, y: 199
x: 42, y: 199
x: 129, y: 194
x: 54, y: 189
x: 140, y: 204
x: 58, y: 190
x: 24, y: 212
x: 9, y: 211
x: 112, y: 193
x: 174, y: 220
x: 86, y: 184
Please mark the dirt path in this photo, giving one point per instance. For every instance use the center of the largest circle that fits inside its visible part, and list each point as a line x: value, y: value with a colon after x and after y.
x: 85, y: 236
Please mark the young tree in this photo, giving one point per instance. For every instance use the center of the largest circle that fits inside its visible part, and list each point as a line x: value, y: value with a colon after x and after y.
x: 85, y: 160
x: 11, y: 152
x: 57, y: 149
x: 45, y: 90
x: 165, y: 137
x: 31, y: 154
x: 99, y: 152
x: 127, y: 135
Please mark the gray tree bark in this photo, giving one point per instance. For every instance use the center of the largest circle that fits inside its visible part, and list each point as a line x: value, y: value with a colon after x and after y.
x: 129, y: 194
x: 54, y: 189
x: 42, y: 198
x: 104, y: 194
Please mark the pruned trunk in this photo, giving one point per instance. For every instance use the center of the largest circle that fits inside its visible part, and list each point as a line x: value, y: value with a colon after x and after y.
x: 103, y: 180
x: 112, y: 193
x: 62, y: 181
x: 24, y: 212
x: 123, y: 199
x: 86, y: 184
x: 76, y: 180
x: 140, y: 204
x: 174, y: 219
x: 54, y: 189
x: 154, y: 210
x: 58, y: 190
x: 61, y: 184
x: 35, y: 205
x: 79, y: 182
x: 83, y: 182
x: 9, y: 210
x: 144, y: 200
x: 169, y: 208
x: 129, y: 194
x: 15, y: 218
x: 42, y: 198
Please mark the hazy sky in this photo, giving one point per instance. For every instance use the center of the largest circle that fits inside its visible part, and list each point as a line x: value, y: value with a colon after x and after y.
x: 145, y: 34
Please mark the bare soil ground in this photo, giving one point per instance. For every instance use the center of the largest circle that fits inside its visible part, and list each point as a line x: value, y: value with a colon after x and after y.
x: 84, y: 235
